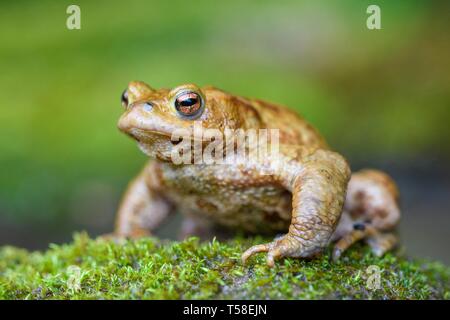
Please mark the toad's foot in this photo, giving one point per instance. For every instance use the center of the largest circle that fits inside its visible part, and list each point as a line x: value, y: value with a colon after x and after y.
x: 285, y: 246
x: 379, y: 242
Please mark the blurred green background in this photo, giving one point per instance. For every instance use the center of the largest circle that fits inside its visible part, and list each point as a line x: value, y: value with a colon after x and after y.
x: 380, y: 97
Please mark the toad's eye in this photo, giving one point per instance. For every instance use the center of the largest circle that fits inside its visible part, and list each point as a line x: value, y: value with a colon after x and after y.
x: 124, y: 98
x: 189, y: 104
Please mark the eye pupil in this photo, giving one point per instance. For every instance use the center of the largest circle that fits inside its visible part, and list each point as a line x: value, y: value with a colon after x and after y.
x: 188, y: 104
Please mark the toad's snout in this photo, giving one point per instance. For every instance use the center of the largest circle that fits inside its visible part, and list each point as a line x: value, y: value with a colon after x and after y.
x: 142, y: 121
x: 125, y: 123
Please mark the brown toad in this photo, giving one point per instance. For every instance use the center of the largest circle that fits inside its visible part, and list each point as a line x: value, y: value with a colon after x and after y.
x: 303, y: 190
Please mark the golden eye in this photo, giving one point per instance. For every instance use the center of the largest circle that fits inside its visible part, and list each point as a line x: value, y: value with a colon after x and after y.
x: 189, y: 104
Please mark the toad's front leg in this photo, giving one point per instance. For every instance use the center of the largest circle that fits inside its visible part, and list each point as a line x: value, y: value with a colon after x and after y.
x: 318, y: 194
x: 143, y: 207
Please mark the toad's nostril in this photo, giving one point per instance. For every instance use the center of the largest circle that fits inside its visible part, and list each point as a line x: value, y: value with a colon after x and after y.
x: 124, y: 98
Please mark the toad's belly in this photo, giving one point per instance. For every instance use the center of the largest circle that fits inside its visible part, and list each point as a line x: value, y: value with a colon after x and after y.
x: 264, y: 209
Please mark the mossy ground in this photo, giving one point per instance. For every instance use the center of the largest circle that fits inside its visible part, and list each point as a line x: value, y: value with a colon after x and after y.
x: 153, y: 269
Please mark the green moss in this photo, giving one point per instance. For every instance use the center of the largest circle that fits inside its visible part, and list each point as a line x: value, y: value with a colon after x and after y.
x: 154, y: 269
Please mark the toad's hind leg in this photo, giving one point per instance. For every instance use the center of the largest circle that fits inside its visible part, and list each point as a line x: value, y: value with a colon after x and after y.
x: 372, y: 210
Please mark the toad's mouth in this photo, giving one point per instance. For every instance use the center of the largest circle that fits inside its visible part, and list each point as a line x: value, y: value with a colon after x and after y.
x: 156, y: 144
x: 144, y: 136
x: 150, y: 136
x: 162, y: 147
